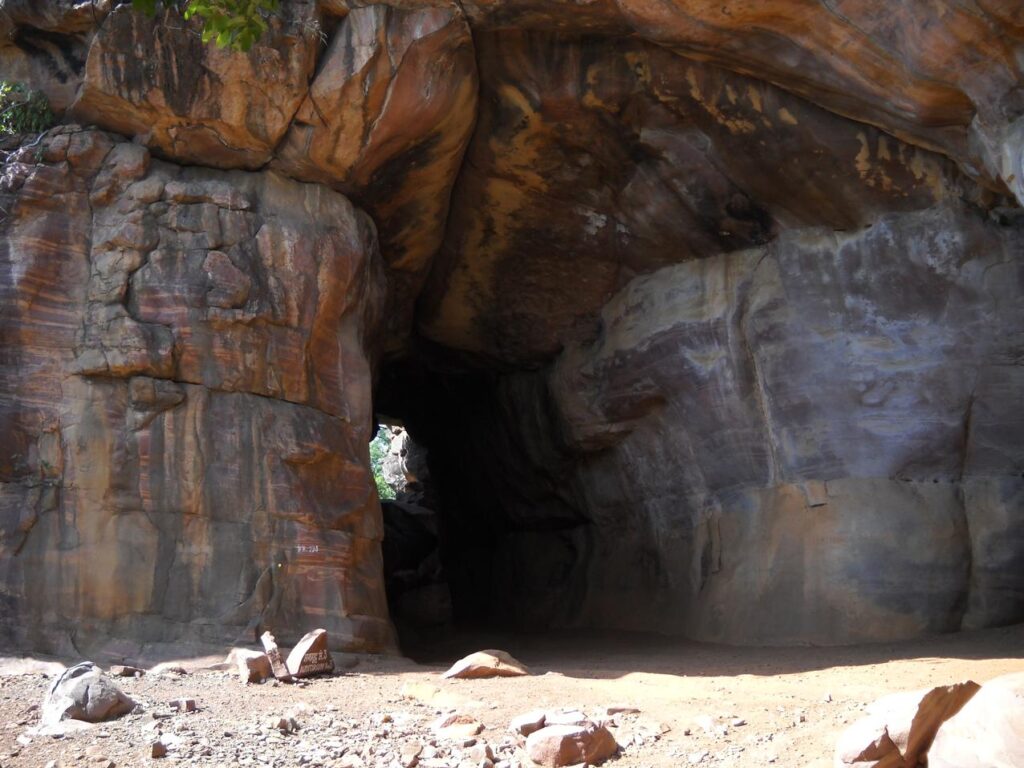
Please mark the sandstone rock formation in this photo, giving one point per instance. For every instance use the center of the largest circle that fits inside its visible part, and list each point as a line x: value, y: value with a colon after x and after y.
x: 708, y: 317
x: 186, y: 402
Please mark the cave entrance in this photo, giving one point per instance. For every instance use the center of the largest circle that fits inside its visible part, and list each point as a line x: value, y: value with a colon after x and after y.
x: 479, y: 538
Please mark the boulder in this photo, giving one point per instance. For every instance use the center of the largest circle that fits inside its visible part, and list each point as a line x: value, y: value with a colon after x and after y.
x: 529, y: 722
x: 988, y: 732
x: 559, y: 745
x: 83, y: 692
x: 310, y: 656
x: 486, y: 664
x: 899, y: 728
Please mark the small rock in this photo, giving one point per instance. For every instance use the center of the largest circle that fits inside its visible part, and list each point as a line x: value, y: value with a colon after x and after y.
x: 183, y: 705
x: 528, y: 723
x: 490, y: 663
x: 410, y: 754
x: 253, y: 666
x: 157, y: 749
x: 738, y: 721
x: 565, y: 717
x: 124, y: 670
x: 621, y: 710
x: 457, y: 727
x: 695, y: 758
x: 285, y: 725
x: 481, y: 752
x: 169, y: 670
x: 561, y: 745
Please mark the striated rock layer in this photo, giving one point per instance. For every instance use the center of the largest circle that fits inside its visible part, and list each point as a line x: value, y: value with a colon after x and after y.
x: 184, y: 403
x: 818, y: 440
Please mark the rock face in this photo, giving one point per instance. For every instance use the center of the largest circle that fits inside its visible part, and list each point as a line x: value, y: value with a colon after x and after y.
x: 708, y: 318
x: 186, y: 402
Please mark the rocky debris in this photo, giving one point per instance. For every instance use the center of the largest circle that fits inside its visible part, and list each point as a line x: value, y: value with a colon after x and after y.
x: 310, y: 656
x: 987, y: 732
x: 83, y: 692
x: 252, y: 666
x: 560, y: 745
x: 483, y: 664
x: 183, y: 705
x: 457, y: 727
x: 157, y: 749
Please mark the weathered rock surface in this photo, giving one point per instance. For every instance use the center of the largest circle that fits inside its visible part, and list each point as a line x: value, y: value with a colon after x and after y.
x: 946, y: 75
x: 718, y: 317
x: 83, y: 692
x: 184, y: 403
x: 386, y: 121
x: 900, y: 728
x: 194, y: 102
x: 596, y: 160
x: 310, y: 656
x: 486, y: 664
x: 987, y: 731
x: 812, y: 441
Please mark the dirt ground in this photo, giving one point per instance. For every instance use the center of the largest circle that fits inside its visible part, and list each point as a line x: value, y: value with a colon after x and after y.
x: 699, y: 704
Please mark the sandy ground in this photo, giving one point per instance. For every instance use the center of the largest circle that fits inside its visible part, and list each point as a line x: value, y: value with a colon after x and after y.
x: 700, y: 705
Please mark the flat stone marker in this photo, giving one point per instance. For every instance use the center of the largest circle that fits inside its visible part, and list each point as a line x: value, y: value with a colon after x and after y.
x: 274, y: 654
x: 311, y: 656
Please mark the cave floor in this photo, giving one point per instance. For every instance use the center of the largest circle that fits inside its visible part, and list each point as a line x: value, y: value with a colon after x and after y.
x: 793, y: 702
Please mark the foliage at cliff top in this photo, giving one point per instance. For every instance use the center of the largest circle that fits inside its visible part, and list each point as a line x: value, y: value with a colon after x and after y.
x: 235, y: 24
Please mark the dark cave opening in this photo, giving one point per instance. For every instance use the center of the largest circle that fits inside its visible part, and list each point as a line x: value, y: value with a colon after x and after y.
x: 508, y: 540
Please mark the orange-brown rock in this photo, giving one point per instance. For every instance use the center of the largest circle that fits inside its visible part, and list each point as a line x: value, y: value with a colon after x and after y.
x: 386, y: 122
x: 945, y: 75
x: 154, y: 78
x: 595, y: 160
x: 185, y: 402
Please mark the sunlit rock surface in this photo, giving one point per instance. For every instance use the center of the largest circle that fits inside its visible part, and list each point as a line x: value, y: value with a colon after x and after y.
x: 184, y: 403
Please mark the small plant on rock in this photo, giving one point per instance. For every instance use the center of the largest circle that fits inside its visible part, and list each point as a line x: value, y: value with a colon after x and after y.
x: 234, y: 24
x: 23, y: 110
